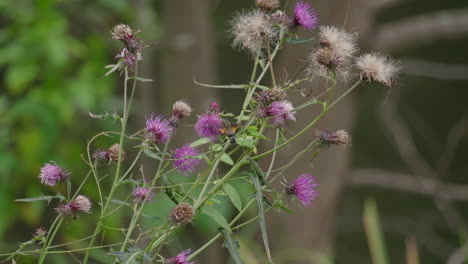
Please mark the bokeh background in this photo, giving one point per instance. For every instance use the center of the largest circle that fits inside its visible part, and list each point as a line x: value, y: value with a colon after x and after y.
x: 410, y: 143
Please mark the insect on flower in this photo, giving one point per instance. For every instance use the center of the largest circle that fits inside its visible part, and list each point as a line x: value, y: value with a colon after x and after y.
x: 230, y: 132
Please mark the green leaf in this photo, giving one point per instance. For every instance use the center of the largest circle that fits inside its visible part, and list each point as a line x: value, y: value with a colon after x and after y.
x: 311, y: 102
x: 216, y: 216
x: 132, y: 256
x: 231, y: 245
x: 201, y: 141
x: 245, y: 141
x: 226, y: 159
x: 261, y: 214
x: 256, y: 133
x: 299, y: 41
x: 151, y: 154
x: 233, y: 195
x: 216, y: 147
x: 113, y: 67
x: 20, y: 75
x: 144, y: 79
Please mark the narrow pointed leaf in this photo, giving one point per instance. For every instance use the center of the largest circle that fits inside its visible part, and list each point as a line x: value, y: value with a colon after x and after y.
x: 261, y: 214
x: 201, y: 141
x: 232, y: 86
x: 216, y: 216
x: 226, y: 159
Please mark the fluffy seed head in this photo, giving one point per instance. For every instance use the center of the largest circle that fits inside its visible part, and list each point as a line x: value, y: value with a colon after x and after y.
x: 80, y: 204
x: 279, y: 17
x: 340, y: 138
x: 337, y: 48
x: 251, y: 29
x: 376, y: 68
x: 158, y: 129
x: 182, y: 214
x: 181, y: 258
x: 304, y: 188
x: 51, y: 173
x: 267, y: 5
x: 40, y: 232
x: 279, y: 112
x: 181, y: 109
x: 121, y: 32
x: 184, y: 160
x: 142, y: 193
x: 305, y: 16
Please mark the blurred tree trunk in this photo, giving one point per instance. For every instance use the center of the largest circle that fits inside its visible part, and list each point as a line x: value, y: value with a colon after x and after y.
x: 188, y: 51
x: 317, y: 224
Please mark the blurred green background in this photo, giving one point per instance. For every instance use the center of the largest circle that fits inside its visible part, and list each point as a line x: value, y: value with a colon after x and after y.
x: 410, y: 147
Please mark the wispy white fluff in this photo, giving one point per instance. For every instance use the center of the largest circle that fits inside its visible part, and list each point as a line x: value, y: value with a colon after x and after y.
x: 251, y: 29
x: 374, y: 67
x: 341, y: 42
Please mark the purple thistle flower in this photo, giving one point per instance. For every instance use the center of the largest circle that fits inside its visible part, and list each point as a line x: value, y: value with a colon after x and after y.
x: 182, y: 258
x: 304, y: 189
x: 279, y: 113
x: 80, y: 204
x: 158, y: 129
x: 184, y: 161
x: 140, y: 194
x: 305, y: 15
x: 51, y: 173
x: 209, y: 125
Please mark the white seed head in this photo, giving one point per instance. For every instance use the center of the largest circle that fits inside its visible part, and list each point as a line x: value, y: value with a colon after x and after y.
x: 121, y: 31
x: 181, y: 109
x: 82, y: 204
x: 342, y: 43
x: 251, y: 29
x: 374, y: 67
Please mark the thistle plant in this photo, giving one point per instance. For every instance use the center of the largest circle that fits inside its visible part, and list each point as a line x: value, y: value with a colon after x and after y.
x: 230, y: 138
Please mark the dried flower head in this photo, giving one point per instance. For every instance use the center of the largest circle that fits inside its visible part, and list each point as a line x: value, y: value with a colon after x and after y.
x: 184, y: 160
x: 142, y: 193
x: 251, y: 30
x: 121, y: 32
x: 272, y: 95
x: 51, y: 173
x: 305, y: 16
x: 267, y: 5
x: 376, y: 68
x: 279, y: 113
x: 337, y: 48
x: 80, y: 204
x: 304, y: 188
x: 114, y: 151
x: 102, y: 155
x: 158, y: 129
x: 181, y: 258
x: 340, y: 138
x: 281, y: 18
x: 182, y: 214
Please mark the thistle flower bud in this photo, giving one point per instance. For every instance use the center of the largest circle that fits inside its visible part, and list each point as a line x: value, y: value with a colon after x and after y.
x: 102, y: 155
x: 279, y: 113
x: 141, y: 194
x: 80, y: 204
x: 272, y: 95
x: 41, y: 232
x: 181, y: 258
x: 114, y: 151
x: 182, y: 214
x: 376, y: 68
x: 267, y: 5
x: 340, y: 138
x: 51, y: 173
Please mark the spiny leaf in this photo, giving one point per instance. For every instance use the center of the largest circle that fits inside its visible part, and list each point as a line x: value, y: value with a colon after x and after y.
x: 231, y: 245
x: 233, y: 195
